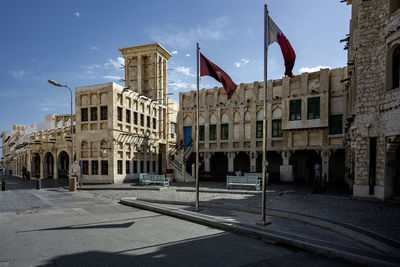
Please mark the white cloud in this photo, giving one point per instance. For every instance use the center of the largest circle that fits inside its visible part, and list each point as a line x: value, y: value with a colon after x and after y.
x: 117, y: 64
x: 94, y: 48
x: 180, y: 85
x: 46, y: 109
x: 185, y: 71
x: 176, y: 36
x: 18, y: 74
x: 111, y: 77
x: 317, y: 68
x: 91, y: 67
x: 174, y: 52
x: 188, y: 55
x: 77, y: 14
x: 241, y: 62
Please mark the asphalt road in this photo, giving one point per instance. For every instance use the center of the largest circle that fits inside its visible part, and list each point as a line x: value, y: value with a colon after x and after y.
x: 54, y: 227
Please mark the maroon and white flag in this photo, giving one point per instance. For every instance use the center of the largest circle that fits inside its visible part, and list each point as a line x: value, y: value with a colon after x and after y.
x: 207, y: 68
x: 276, y: 35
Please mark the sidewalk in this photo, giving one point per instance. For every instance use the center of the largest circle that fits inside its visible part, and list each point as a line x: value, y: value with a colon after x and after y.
x: 311, y: 235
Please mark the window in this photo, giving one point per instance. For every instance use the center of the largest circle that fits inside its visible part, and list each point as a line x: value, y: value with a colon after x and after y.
x: 85, y: 167
x: 295, y: 110
x: 135, y: 166
x: 148, y: 166
x: 313, y: 108
x: 84, y: 114
x: 141, y: 166
x: 128, y: 116
x: 93, y: 114
x: 104, y: 167
x: 154, y: 166
x: 95, y: 167
x: 141, y: 120
x: 259, y: 129
x: 201, y: 133
x: 127, y: 167
x: 119, y: 166
x: 148, y: 122
x: 396, y: 68
x: 213, y: 132
x: 173, y: 127
x: 224, y: 131
x: 135, y: 118
x: 276, y: 128
x: 154, y: 123
x: 119, y: 113
x: 103, y: 113
x: 335, y: 124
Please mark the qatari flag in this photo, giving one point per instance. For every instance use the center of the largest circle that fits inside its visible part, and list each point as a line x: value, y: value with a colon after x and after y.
x: 207, y: 68
x: 276, y: 35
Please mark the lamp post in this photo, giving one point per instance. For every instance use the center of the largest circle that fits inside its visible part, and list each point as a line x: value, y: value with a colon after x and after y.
x: 72, y: 123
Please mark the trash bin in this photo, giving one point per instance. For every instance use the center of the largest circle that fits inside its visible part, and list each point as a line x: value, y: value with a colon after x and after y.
x: 72, y: 184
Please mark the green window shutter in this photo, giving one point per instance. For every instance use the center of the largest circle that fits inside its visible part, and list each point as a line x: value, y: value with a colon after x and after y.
x: 259, y: 129
x: 224, y: 131
x: 295, y: 110
x: 336, y: 124
x: 276, y: 128
x: 213, y: 132
x: 201, y: 133
x: 313, y: 106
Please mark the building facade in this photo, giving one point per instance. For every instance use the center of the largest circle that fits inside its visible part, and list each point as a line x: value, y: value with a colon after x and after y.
x: 372, y: 126
x: 304, y: 126
x: 119, y: 131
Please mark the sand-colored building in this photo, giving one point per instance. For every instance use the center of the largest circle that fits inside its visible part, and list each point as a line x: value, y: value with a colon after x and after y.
x: 304, y: 126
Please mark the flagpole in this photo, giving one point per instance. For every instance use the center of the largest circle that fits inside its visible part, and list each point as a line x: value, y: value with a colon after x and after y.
x: 264, y: 151
x: 197, y: 128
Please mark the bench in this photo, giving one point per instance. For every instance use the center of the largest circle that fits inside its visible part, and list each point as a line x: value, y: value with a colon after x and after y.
x: 153, y: 179
x: 259, y: 175
x: 243, y: 181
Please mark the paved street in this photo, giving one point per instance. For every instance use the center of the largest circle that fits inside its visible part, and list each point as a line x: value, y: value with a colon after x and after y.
x: 54, y: 227
x: 375, y: 215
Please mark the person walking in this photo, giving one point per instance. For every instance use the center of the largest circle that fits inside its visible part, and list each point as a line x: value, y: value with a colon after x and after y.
x: 24, y: 173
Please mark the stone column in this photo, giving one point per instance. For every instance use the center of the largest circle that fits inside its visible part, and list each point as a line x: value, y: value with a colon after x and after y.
x: 41, y: 165
x: 231, y: 157
x: 253, y: 159
x: 206, y: 162
x: 325, y: 154
x: 286, y: 170
x: 55, y: 172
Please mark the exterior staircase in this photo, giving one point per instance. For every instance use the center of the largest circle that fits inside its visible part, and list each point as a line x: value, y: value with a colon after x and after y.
x: 179, y: 161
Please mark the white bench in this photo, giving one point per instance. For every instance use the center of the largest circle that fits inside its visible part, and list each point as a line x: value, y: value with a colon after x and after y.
x: 259, y: 175
x: 153, y: 179
x: 243, y: 181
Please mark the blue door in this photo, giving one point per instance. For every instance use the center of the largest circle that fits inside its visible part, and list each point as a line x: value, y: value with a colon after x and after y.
x: 187, y: 136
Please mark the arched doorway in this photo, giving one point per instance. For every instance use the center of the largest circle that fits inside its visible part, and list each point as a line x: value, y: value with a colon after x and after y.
x: 336, y: 167
x: 274, y: 165
x: 63, y: 165
x: 396, y: 184
x: 35, y: 165
x: 219, y: 166
x: 241, y: 162
x: 48, y: 166
x: 304, y: 162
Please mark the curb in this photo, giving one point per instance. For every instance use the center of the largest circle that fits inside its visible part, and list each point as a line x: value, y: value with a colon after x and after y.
x: 220, y: 191
x: 119, y: 188
x: 267, y: 237
x: 357, y: 236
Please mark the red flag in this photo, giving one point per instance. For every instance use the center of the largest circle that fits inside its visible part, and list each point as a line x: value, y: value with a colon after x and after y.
x: 207, y: 68
x: 276, y: 35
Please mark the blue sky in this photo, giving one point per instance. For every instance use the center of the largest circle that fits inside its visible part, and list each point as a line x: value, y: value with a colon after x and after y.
x: 76, y: 43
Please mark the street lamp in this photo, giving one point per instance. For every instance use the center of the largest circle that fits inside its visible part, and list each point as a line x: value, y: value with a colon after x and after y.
x: 72, y: 123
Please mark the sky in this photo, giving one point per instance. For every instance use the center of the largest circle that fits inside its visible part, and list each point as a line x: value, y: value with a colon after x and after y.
x: 76, y: 43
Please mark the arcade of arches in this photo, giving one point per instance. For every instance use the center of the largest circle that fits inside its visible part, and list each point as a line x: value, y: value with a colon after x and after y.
x: 46, y: 165
x: 220, y: 164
